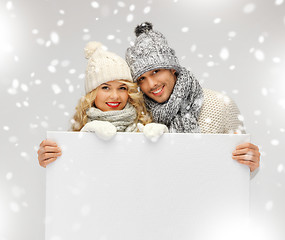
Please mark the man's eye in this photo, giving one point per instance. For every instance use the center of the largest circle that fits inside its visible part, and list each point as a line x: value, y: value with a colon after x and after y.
x: 140, y: 79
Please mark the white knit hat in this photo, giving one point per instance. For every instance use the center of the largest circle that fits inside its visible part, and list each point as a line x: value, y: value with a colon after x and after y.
x: 103, y: 66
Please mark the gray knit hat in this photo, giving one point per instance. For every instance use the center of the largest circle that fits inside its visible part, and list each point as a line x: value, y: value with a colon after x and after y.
x: 150, y: 52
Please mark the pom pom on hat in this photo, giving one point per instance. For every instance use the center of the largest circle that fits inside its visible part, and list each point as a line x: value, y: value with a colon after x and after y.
x: 103, y: 66
x: 143, y: 28
x: 91, y: 47
x: 150, y: 51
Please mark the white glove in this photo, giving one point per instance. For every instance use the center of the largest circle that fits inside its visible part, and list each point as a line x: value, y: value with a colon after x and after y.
x: 153, y: 131
x: 103, y: 129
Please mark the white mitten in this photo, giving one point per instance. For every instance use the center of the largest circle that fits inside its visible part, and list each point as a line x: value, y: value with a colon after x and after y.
x: 153, y: 131
x: 103, y: 129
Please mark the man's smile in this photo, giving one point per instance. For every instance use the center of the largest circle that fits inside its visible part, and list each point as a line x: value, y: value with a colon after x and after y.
x: 158, y: 91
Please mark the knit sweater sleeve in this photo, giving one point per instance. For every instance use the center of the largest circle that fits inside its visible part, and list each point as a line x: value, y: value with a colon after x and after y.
x: 234, y: 119
x: 219, y: 114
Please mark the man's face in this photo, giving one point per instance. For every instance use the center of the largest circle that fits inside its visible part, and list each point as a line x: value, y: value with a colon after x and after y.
x: 158, y: 84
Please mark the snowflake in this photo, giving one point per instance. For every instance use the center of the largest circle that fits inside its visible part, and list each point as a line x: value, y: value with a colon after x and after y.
x: 274, y: 142
x: 269, y: 205
x: 54, y: 38
x: 130, y: 18
x: 224, y: 54
x: 217, y: 20
x: 278, y: 2
x: 132, y: 7
x: 259, y: 55
x: 146, y: 10
x: 249, y: 8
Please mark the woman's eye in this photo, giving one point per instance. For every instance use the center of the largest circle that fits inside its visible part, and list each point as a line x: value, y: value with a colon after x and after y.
x: 105, y: 87
x: 123, y: 88
x: 156, y: 71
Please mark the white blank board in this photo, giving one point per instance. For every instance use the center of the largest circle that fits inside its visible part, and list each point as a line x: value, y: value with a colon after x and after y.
x: 129, y: 188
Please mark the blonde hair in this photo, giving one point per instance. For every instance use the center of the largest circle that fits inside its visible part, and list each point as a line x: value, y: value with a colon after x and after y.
x: 135, y: 98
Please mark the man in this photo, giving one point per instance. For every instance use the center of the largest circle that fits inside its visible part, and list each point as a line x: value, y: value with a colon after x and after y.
x: 176, y: 99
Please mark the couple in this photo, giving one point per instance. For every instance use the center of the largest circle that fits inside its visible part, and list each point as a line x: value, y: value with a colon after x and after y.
x: 173, y: 97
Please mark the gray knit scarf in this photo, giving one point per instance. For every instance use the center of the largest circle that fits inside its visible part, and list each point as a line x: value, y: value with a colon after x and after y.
x: 123, y: 119
x: 181, y: 111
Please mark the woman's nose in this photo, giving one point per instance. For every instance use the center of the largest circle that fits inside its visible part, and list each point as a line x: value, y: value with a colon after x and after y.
x: 114, y: 95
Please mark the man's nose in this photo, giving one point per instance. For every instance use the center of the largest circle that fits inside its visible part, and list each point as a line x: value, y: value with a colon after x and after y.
x: 152, y: 83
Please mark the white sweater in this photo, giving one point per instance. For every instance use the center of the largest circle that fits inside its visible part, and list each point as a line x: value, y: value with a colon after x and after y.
x: 219, y: 114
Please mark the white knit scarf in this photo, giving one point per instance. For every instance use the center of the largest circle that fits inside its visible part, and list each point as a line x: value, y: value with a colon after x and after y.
x: 181, y: 111
x: 123, y: 119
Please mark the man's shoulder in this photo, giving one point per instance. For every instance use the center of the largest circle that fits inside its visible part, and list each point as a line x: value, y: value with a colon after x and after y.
x: 213, y: 97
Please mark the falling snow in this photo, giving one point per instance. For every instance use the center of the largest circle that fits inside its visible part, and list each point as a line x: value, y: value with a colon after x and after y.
x: 9, y: 176
x: 52, y: 69
x: 40, y: 41
x: 72, y: 71
x: 278, y: 2
x: 232, y: 67
x: 56, y: 89
x: 110, y: 37
x: 269, y: 205
x: 14, y: 207
x: 264, y: 91
x: 9, y: 5
x: 280, y: 168
x: 130, y: 18
x: 281, y: 102
x: 257, y: 112
x: 54, y: 38
x: 274, y: 142
x: 249, y: 8
x: 132, y: 7
x: 60, y: 22
x: 95, y: 4
x: 146, y: 10
x: 21, y: 87
x: 193, y: 48
x: 232, y: 34
x: 259, y: 55
x: 121, y: 4
x: 217, y: 20
x: 224, y: 54
x: 276, y: 60
x: 35, y: 31
x: 210, y: 64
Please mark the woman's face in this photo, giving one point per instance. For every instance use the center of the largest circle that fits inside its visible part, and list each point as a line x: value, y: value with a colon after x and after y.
x: 111, y: 96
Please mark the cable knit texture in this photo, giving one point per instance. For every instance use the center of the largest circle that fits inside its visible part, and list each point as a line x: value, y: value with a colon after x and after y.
x: 180, y: 112
x: 219, y: 114
x: 123, y: 120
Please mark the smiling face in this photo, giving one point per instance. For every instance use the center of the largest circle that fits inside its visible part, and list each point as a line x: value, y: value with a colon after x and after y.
x: 111, y: 96
x: 158, y: 84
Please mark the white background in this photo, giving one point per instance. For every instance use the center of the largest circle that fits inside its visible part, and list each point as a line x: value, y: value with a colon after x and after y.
x: 232, y: 46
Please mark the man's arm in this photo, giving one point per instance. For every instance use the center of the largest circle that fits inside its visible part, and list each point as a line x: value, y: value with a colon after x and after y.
x: 248, y: 154
x: 48, y: 152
